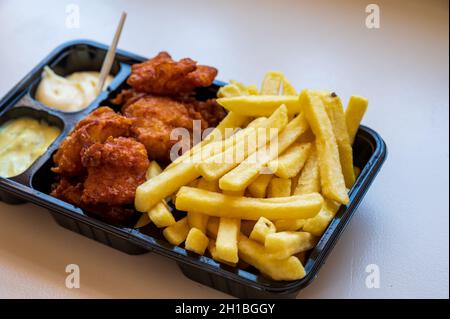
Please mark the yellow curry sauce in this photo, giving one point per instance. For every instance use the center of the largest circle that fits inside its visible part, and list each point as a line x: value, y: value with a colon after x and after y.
x: 22, y: 141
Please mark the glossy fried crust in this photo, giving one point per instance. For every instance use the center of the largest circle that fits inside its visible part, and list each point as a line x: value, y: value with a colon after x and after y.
x: 95, y: 128
x: 154, y: 118
x: 162, y: 75
x: 115, y: 169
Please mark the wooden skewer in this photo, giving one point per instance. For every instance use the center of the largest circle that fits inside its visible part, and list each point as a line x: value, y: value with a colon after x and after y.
x: 109, y: 58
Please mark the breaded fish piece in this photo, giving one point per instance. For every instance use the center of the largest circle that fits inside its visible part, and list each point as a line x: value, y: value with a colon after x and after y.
x: 96, y: 127
x: 115, y: 169
x: 154, y: 118
x: 162, y: 75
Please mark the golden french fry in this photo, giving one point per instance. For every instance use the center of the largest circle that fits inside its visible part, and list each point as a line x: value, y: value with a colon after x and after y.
x: 272, y: 83
x: 289, y: 224
x: 319, y: 223
x: 255, y: 254
x: 309, y: 179
x: 226, y: 241
x: 279, y: 187
x: 260, y: 105
x: 246, y: 172
x: 288, y: 89
x: 219, y: 205
x: 216, y: 166
x: 356, y: 108
x: 287, y: 243
x: 262, y: 228
x: 144, y: 220
x: 336, y: 115
x: 357, y: 171
x: 213, y: 251
x: 289, y: 164
x: 213, y: 227
x: 153, y: 170
x: 196, y: 241
x: 160, y: 215
x: 163, y: 185
x: 258, y: 188
x: 332, y: 179
x: 197, y: 219
x: 177, y: 233
x: 234, y: 193
x: 247, y: 227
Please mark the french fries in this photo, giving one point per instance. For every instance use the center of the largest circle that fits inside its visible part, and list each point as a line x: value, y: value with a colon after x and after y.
x: 177, y: 233
x: 254, y: 254
x: 272, y: 83
x: 264, y: 204
x: 219, y: 205
x: 196, y: 241
x: 279, y: 187
x: 332, y: 179
x: 336, y: 114
x: 290, y: 163
x: 260, y: 105
x: 309, y: 180
x: 262, y: 228
x: 287, y: 243
x: 226, y: 241
x: 356, y: 108
x: 248, y: 170
x: 259, y: 186
x: 216, y: 166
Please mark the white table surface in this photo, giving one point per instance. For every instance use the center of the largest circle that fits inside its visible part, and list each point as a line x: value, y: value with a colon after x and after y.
x: 402, y: 224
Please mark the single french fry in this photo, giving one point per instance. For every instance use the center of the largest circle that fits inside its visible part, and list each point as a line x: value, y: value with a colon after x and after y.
x: 219, y: 205
x: 336, y: 115
x: 153, y: 170
x: 213, y: 251
x: 279, y: 187
x: 319, y: 223
x: 289, y: 224
x: 197, y: 219
x: 196, y: 241
x: 272, y: 83
x: 247, y: 227
x: 356, y: 108
x: 160, y: 215
x: 288, y: 88
x: 258, y: 188
x: 332, y: 179
x: 289, y: 164
x: 216, y: 166
x: 177, y: 233
x: 260, y: 105
x: 144, y: 220
x: 213, y: 227
x: 309, y: 180
x: 287, y: 243
x: 255, y: 254
x: 262, y: 228
x: 226, y: 241
x: 247, y: 171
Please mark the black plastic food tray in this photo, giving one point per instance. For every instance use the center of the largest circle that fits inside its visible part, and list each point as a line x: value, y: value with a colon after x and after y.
x: 34, y: 184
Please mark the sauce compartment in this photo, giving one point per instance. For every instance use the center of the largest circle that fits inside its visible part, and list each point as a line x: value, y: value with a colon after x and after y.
x: 369, y: 155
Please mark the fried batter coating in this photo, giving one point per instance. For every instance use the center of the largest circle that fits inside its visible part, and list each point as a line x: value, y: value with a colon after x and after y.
x: 163, y: 76
x: 115, y: 169
x: 155, y: 117
x: 96, y: 127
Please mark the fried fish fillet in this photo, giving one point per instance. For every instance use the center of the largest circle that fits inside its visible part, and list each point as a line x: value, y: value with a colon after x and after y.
x: 153, y: 120
x: 96, y: 127
x: 162, y: 75
x: 115, y: 169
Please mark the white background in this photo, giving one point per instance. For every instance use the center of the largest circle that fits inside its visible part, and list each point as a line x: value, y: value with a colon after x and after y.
x: 402, y: 225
